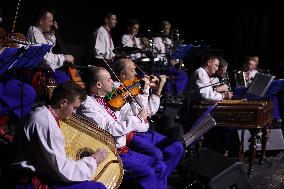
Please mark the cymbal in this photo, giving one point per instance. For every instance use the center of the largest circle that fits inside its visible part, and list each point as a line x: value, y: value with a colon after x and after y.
x: 126, y: 50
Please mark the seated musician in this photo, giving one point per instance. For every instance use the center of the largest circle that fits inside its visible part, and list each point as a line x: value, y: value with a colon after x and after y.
x: 205, y: 87
x: 144, y: 170
x: 130, y: 39
x: 250, y: 68
x: 39, y: 156
x: 150, y: 142
x: 222, y: 77
x: 43, y: 32
x: 202, y: 82
x: 165, y: 44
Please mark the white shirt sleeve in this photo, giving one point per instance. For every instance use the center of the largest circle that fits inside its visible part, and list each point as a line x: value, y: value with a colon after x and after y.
x: 46, y: 142
x: 35, y: 36
x: 103, y: 45
x: 151, y: 102
x: 207, y: 93
x: 119, y: 127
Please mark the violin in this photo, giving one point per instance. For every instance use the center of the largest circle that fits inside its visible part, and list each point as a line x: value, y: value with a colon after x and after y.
x: 124, y: 92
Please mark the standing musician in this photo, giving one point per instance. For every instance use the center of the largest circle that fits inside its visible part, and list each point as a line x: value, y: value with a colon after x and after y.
x: 149, y: 142
x: 102, y: 43
x: 40, y: 159
x: 42, y: 32
x: 146, y: 171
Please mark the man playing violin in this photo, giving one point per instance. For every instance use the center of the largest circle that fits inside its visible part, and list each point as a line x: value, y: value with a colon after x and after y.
x: 149, y: 142
x: 146, y: 171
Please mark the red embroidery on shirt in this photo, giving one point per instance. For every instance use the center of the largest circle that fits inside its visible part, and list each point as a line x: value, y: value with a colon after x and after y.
x: 103, y: 102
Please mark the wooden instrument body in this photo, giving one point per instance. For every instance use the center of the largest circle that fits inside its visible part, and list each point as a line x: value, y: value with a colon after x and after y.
x: 240, y: 113
x: 82, y: 138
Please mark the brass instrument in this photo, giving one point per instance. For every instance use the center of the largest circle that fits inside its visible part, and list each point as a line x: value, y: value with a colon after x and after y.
x: 82, y: 138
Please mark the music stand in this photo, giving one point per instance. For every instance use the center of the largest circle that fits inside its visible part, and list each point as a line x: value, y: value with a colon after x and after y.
x: 181, y: 52
x: 260, y: 84
x: 8, y: 57
x: 14, y: 58
x: 201, y: 126
x: 32, y: 56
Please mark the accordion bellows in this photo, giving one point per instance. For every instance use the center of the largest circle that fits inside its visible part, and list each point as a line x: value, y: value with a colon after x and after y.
x: 82, y: 138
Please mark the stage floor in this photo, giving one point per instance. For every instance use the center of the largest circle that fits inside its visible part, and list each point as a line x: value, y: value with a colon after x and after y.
x: 269, y: 175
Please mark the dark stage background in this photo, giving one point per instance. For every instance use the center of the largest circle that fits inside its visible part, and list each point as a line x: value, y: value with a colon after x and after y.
x: 238, y: 28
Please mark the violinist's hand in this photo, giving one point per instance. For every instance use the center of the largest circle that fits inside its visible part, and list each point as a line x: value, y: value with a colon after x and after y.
x: 69, y: 58
x: 146, y: 80
x: 144, y: 113
x: 100, y: 155
x: 154, y: 79
x: 163, y: 79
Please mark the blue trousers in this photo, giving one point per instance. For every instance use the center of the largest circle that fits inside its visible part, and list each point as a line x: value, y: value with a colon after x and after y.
x: 60, y: 76
x: 71, y: 185
x: 144, y: 170
x: 11, y: 99
x: 159, y: 147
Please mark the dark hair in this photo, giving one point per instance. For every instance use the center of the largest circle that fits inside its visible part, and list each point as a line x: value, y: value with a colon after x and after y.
x: 132, y: 22
x: 41, y: 13
x: 68, y: 90
x: 91, y: 77
x: 109, y: 14
x: 222, y: 62
x: 208, y: 57
x: 165, y: 23
x: 118, y: 65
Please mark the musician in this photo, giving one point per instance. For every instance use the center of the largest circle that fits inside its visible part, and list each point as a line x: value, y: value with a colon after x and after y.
x: 250, y: 68
x: 39, y: 151
x: 146, y: 171
x: 103, y: 46
x: 164, y: 44
x: 222, y: 77
x: 130, y: 39
x: 202, y: 82
x: 150, y: 142
x: 42, y: 32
